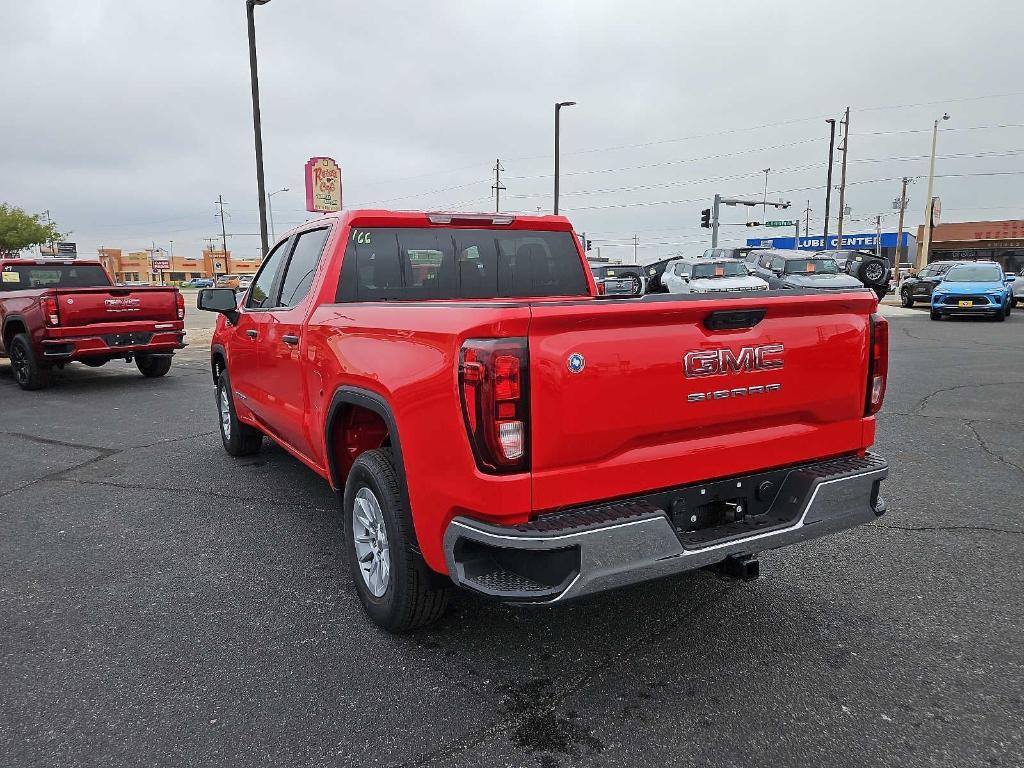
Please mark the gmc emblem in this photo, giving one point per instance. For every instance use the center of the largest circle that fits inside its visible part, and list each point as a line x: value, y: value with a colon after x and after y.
x: 719, y: 362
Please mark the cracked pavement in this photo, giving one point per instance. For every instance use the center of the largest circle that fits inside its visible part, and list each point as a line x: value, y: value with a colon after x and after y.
x: 164, y: 604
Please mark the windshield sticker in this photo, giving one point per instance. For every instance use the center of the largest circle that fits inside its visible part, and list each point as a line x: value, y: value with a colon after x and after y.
x: 720, y: 271
x: 361, y: 236
x: 11, y: 277
x: 810, y: 266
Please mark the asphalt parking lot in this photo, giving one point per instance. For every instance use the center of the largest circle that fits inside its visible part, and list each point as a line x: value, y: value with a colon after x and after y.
x: 164, y: 604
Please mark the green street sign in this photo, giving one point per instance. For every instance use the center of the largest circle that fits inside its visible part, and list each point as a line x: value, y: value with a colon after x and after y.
x: 780, y: 224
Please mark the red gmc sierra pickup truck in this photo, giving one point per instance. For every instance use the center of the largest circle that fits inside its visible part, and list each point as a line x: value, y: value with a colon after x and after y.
x: 452, y: 376
x: 56, y: 312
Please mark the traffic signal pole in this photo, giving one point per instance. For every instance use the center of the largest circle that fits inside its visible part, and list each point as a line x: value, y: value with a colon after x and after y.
x: 714, y: 221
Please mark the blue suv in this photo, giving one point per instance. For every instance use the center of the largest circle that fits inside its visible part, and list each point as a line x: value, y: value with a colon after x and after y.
x: 972, y: 288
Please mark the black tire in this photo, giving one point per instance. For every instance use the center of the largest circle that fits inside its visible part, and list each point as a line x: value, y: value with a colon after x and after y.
x: 906, y: 300
x: 935, y: 315
x: 881, y: 291
x: 871, y: 272
x: 239, y: 439
x: 1000, y: 316
x: 1013, y: 302
x: 151, y: 366
x: 29, y: 373
x: 414, y: 596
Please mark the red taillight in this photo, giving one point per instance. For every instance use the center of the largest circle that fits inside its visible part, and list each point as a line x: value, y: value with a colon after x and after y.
x: 878, y: 364
x: 494, y: 385
x: 181, y: 305
x: 50, y: 311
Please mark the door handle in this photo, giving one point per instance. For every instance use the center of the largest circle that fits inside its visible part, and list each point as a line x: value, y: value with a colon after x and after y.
x: 290, y: 339
x: 251, y: 334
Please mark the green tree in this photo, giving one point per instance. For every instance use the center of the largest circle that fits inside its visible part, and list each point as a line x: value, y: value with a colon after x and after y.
x: 20, y: 230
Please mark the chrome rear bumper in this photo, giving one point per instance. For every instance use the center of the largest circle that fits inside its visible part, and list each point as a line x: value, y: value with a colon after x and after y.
x: 569, y: 555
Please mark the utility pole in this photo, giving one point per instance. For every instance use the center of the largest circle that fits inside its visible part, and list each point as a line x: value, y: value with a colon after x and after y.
x: 878, y: 236
x: 223, y: 236
x: 828, y: 182
x: 636, y: 244
x: 807, y: 219
x: 498, y: 187
x: 842, y: 182
x: 764, y: 203
x: 901, y: 203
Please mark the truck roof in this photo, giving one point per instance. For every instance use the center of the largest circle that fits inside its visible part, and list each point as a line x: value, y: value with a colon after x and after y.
x: 378, y: 217
x: 45, y: 262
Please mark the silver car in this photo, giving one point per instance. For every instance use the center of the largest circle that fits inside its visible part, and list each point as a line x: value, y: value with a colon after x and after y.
x: 710, y: 275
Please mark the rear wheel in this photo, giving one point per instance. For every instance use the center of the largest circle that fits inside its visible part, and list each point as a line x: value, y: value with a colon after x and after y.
x: 396, y: 587
x: 872, y: 271
x: 906, y: 300
x: 239, y: 439
x: 153, y: 367
x: 29, y: 373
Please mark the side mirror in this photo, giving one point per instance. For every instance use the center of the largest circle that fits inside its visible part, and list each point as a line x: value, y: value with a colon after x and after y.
x: 222, y: 300
x: 1009, y: 278
x: 777, y: 272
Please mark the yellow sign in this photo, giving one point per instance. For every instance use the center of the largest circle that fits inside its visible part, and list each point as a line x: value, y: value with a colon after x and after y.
x: 11, y: 277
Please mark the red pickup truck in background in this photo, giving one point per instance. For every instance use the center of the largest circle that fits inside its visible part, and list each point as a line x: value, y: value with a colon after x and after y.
x: 56, y: 312
x: 459, y: 379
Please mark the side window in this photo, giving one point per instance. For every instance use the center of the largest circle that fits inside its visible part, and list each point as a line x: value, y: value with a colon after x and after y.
x: 261, y: 292
x: 766, y: 260
x: 778, y: 263
x: 302, y: 266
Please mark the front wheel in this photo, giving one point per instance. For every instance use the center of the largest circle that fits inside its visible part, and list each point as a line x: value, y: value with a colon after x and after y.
x: 936, y: 315
x: 395, y: 586
x: 153, y: 367
x: 239, y: 439
x: 906, y: 300
x: 1000, y: 316
x: 29, y: 373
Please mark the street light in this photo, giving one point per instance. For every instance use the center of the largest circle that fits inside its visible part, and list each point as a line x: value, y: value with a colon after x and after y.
x: 764, y: 204
x: 558, y: 108
x: 926, y: 245
x: 257, y: 130
x: 270, y: 210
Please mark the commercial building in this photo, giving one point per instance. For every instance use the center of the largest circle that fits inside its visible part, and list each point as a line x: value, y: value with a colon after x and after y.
x: 1001, y: 241
x: 858, y: 242
x: 137, y: 266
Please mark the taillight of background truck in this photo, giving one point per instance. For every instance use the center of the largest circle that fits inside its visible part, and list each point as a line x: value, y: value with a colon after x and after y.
x: 878, y: 364
x: 50, y: 311
x: 181, y: 305
x: 494, y: 386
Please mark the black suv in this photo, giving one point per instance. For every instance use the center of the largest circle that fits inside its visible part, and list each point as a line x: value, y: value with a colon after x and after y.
x: 920, y: 288
x: 874, y: 271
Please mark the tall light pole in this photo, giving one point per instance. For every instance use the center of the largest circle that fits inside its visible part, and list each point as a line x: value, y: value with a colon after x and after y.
x: 250, y: 6
x: 926, y: 245
x: 764, y: 203
x: 270, y: 210
x: 558, y: 109
x: 828, y: 181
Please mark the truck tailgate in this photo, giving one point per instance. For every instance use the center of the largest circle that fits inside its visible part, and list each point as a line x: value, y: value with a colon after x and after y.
x: 111, y: 304
x: 632, y: 420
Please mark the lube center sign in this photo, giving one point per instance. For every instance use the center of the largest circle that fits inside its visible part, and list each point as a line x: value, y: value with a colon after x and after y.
x: 323, y: 185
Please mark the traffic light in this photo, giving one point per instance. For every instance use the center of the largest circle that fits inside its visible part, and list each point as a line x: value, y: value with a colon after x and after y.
x: 586, y: 245
x: 705, y: 218
x: 753, y: 223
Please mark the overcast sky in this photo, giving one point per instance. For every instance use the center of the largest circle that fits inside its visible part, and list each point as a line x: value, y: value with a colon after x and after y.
x: 127, y: 119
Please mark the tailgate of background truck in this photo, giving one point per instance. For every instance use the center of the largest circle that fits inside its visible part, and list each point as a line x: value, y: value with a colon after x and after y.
x: 110, y: 304
x: 632, y: 421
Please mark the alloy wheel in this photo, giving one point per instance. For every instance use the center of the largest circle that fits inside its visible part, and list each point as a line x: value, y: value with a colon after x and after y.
x: 370, y: 537
x: 874, y: 272
x: 225, y: 413
x: 19, y: 364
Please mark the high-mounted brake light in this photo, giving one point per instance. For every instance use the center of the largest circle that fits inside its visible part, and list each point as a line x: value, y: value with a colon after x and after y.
x: 181, y: 306
x: 50, y: 311
x: 878, y: 364
x: 494, y: 386
x: 442, y: 217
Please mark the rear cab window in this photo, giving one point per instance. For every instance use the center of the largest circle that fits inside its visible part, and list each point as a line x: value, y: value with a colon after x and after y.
x: 408, y: 264
x: 20, y: 277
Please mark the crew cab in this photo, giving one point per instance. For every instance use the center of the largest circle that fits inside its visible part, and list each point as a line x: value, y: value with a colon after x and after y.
x: 710, y: 275
x: 56, y: 312
x: 798, y: 269
x: 450, y: 375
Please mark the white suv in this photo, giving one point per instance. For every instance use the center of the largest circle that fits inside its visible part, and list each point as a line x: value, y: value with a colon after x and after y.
x: 710, y: 275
